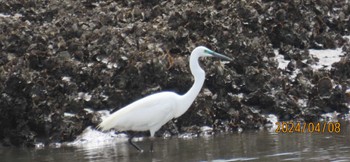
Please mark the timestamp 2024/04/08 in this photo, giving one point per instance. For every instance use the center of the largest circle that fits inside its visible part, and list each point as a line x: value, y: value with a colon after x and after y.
x: 312, y: 127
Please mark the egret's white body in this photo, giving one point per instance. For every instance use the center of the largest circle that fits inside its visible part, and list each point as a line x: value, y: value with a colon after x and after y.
x: 148, y: 113
x: 152, y: 112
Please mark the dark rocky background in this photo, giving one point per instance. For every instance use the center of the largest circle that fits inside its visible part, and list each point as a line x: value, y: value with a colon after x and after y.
x: 56, y: 55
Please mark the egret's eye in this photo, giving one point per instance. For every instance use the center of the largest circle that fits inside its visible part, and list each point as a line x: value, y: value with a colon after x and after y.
x: 208, y: 51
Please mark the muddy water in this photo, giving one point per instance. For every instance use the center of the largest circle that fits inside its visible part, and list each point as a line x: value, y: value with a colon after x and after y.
x: 246, y: 146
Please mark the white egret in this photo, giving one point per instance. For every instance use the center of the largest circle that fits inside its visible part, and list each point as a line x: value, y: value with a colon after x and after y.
x: 152, y: 112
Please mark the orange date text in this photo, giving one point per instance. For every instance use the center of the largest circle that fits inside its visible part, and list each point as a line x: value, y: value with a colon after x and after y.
x: 317, y: 127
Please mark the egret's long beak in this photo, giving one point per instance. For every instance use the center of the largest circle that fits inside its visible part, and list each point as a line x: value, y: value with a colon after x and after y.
x: 215, y: 54
x: 221, y: 56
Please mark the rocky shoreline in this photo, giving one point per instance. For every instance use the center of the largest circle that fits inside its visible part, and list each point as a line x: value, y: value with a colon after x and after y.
x: 58, y: 58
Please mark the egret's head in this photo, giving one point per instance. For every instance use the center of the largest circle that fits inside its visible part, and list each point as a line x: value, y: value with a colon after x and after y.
x: 205, y: 52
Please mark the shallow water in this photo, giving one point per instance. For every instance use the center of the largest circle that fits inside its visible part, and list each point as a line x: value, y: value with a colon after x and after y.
x: 260, y: 145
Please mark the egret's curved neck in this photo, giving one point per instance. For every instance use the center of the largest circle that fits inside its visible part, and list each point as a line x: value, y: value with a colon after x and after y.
x: 199, y: 77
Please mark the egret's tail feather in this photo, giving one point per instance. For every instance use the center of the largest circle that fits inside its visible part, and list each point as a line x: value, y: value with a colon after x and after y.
x: 104, y: 125
x: 109, y: 122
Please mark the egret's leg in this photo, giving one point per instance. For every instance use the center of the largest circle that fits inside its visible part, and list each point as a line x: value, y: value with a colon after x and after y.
x: 137, y: 147
x: 151, y: 148
x: 175, y: 127
x: 152, y: 139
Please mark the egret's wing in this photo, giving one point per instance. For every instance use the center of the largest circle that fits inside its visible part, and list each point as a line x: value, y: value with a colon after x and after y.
x: 147, y: 113
x: 145, y: 118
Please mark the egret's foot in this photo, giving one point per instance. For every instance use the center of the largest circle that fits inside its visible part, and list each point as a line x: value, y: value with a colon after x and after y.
x: 132, y: 143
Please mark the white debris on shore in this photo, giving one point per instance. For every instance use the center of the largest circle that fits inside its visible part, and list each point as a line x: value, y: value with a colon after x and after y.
x: 326, y: 58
